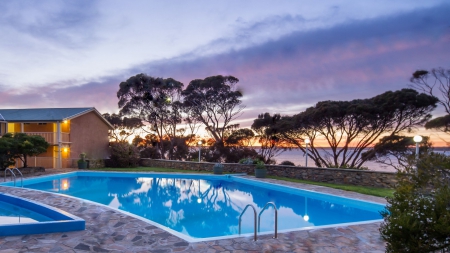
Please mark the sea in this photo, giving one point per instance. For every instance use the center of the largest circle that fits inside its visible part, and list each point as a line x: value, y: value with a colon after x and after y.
x: 298, y: 158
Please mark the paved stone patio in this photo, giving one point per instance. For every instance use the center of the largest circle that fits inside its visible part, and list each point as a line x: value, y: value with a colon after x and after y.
x: 108, y: 230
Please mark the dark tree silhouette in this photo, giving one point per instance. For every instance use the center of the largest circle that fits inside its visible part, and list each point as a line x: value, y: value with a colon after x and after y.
x: 124, y: 127
x: 396, y: 151
x: 268, y: 135
x: 351, y: 127
x: 154, y: 101
x: 215, y: 102
x: 435, y: 83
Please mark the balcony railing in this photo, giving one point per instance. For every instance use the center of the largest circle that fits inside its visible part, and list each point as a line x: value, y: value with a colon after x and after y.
x: 47, y: 162
x: 51, y: 137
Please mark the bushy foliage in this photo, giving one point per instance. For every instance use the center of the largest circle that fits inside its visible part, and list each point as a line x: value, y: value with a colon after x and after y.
x: 260, y: 165
x: 287, y: 163
x: 248, y: 161
x: 124, y: 155
x: 6, y: 156
x: 20, y: 145
x: 417, y: 217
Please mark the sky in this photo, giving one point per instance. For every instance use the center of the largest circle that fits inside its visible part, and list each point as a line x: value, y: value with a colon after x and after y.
x: 288, y: 55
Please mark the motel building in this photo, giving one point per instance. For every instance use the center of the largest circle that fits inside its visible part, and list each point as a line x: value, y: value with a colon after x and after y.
x: 69, y: 131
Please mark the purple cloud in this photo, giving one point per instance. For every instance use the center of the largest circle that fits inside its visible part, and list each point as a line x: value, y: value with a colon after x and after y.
x: 355, y: 59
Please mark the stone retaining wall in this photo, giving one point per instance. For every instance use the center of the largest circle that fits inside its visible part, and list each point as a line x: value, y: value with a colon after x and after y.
x: 327, y: 175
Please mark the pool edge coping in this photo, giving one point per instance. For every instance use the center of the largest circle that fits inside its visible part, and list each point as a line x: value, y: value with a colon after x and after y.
x: 197, y: 240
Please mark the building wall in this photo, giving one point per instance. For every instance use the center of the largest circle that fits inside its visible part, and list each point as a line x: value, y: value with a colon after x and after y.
x: 2, y: 128
x: 89, y: 134
x: 327, y: 175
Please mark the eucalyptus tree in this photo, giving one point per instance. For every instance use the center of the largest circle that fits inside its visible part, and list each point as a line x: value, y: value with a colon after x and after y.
x: 268, y: 136
x: 243, y: 137
x: 214, y: 102
x: 435, y: 83
x: 154, y: 101
x: 124, y: 127
x: 350, y: 128
x: 396, y: 151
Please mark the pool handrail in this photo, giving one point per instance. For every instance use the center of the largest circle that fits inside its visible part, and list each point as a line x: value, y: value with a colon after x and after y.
x: 12, y: 174
x: 21, y: 176
x: 276, y: 217
x: 240, y: 218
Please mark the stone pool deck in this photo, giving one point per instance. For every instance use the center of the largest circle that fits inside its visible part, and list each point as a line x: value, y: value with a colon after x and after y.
x: 108, y: 230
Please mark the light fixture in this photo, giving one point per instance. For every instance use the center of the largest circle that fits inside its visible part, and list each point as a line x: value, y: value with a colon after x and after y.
x: 417, y: 139
x: 65, y: 149
x: 199, y: 200
x: 199, y: 149
x: 306, y: 217
x: 65, y: 121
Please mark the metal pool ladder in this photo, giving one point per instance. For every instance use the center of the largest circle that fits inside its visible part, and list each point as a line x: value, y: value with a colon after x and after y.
x: 276, y: 217
x: 14, y: 175
x: 259, y: 218
x: 240, y: 218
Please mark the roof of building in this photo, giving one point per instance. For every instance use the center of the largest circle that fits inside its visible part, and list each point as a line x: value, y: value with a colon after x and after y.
x: 46, y: 114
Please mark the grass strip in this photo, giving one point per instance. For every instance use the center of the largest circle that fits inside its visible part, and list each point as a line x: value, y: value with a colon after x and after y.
x: 374, y: 191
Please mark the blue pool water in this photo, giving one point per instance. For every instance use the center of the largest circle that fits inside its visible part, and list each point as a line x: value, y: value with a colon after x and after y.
x: 19, y: 216
x: 12, y: 214
x: 201, y: 206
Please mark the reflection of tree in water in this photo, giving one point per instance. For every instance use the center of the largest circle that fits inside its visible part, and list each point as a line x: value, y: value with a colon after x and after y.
x: 174, y: 203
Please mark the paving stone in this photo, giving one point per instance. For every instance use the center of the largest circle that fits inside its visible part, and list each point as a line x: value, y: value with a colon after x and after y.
x: 82, y: 246
x: 112, y: 231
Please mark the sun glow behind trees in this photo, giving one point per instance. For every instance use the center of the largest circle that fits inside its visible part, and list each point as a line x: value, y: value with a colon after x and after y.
x: 173, y: 118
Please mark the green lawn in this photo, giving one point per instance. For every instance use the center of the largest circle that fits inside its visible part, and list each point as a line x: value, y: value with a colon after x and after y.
x: 379, y: 192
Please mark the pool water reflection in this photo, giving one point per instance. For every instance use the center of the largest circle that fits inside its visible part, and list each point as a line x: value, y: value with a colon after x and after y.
x: 210, y: 207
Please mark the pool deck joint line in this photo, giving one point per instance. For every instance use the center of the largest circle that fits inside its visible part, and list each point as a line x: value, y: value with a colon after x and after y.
x: 112, y: 231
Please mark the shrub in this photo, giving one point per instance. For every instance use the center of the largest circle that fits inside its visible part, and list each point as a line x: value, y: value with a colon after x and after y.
x: 124, y: 155
x: 417, y: 217
x: 260, y: 165
x: 287, y: 163
x: 249, y: 161
x: 246, y: 161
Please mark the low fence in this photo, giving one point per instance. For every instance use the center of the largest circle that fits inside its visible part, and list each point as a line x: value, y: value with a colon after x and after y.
x: 326, y: 175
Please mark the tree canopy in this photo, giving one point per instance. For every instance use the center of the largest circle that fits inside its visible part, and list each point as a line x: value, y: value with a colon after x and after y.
x: 215, y: 102
x: 124, y: 127
x: 154, y: 101
x: 435, y: 83
x: 21, y: 145
x: 268, y: 136
x: 351, y: 127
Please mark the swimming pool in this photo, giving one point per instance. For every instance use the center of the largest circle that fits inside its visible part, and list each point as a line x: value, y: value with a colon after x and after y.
x: 19, y: 216
x: 202, y: 207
